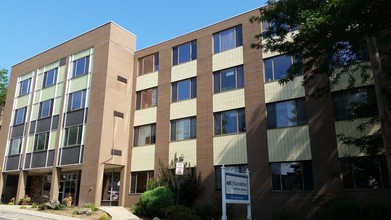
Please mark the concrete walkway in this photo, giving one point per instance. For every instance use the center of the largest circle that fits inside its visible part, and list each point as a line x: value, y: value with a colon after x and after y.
x: 119, y: 213
x: 116, y: 213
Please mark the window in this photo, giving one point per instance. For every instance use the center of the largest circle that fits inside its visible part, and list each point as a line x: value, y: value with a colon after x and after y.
x: 228, y: 79
x: 228, y: 39
x: 365, y: 172
x: 287, y: 113
x: 73, y: 136
x: 77, y: 100
x: 24, y: 86
x: 81, y: 66
x: 45, y: 108
x: 146, y: 98
x: 144, y: 135
x: 292, y: 176
x: 139, y: 181
x: 20, y: 115
x: 184, y: 53
x: 355, y: 103
x: 270, y: 28
x: 41, y: 141
x: 277, y: 67
x: 50, y: 78
x: 185, y: 89
x: 148, y: 64
x: 228, y: 122
x: 15, y: 146
x: 183, y: 129
x: 232, y: 168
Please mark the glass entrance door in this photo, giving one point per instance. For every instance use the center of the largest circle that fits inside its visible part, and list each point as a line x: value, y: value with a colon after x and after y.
x: 69, y: 184
x: 110, y: 190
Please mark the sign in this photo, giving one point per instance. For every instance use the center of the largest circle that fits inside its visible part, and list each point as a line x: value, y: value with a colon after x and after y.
x: 235, y: 189
x: 179, y: 169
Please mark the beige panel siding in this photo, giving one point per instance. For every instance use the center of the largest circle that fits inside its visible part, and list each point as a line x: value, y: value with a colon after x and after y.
x: 275, y: 92
x: 34, y: 112
x: 266, y: 55
x: 183, y: 109
x: 37, y: 96
x: 143, y: 158
x: 228, y: 100
x: 289, y: 144
x: 184, y: 71
x: 57, y: 106
x: 146, y: 81
x: 81, y: 54
x: 52, y: 143
x: 227, y: 59
x: 186, y: 148
x: 349, y: 128
x: 52, y: 66
x: 59, y: 89
x: 60, y: 74
x: 26, y: 76
x: 38, y: 86
x: 230, y: 149
x: 78, y: 83
x: 344, y: 80
x: 30, y: 144
x: 145, y: 116
x: 22, y: 101
x: 47, y: 93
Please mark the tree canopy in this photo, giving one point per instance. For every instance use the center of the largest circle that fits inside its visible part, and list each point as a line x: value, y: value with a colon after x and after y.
x: 332, y: 38
x: 3, y: 87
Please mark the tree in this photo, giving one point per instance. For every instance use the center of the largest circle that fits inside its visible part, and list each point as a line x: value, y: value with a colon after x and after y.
x: 333, y: 37
x: 3, y: 90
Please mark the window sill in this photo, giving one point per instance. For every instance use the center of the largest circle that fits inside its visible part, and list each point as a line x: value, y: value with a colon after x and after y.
x: 75, y: 77
x: 293, y: 126
x: 176, y: 141
x: 182, y: 63
x: 70, y: 146
x: 39, y: 151
x: 23, y: 95
x: 146, y: 108
x: 183, y: 100
x: 45, y: 87
x: 226, y: 91
x: 157, y: 71
x: 144, y: 145
x: 222, y: 135
x: 227, y: 50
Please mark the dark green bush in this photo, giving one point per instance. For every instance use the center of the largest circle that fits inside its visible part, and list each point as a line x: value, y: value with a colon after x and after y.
x: 373, y: 211
x: 179, y: 213
x: 207, y: 212
x: 285, y: 213
x: 343, y: 209
x: 154, y: 201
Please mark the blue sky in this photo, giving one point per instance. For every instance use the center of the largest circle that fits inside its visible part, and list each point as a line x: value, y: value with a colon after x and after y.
x: 28, y: 27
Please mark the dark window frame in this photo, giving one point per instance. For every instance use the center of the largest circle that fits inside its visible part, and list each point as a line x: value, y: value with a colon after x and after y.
x: 50, y: 110
x: 82, y: 103
x: 139, y: 98
x: 67, y: 136
x: 300, y: 114
x: 135, y: 187
x: 282, y: 180
x: 141, y: 64
x: 270, y: 65
x: 219, y: 125
x: 11, y: 146
x: 180, y: 56
x: 23, y: 119
x: 175, y: 95
x: 237, y: 41
x: 218, y: 79
x: 192, y: 129
x: 241, y: 168
x: 24, y: 87
x: 151, y: 139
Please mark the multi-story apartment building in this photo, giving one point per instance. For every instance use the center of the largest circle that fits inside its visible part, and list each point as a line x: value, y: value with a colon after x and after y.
x: 92, y: 117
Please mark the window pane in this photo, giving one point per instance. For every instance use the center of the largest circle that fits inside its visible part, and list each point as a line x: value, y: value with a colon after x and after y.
x: 41, y: 141
x: 15, y: 146
x: 193, y: 128
x: 193, y: 88
x: 301, y: 112
x: 194, y: 50
x: 240, y: 76
x: 239, y: 37
x: 50, y: 77
x: 183, y: 89
x: 148, y: 64
x: 183, y: 129
x: 268, y: 70
x: 76, y: 100
x: 175, y: 51
x: 173, y: 130
x: 156, y: 62
x: 227, y: 40
x: 291, y: 176
x: 19, y: 116
x: 45, y: 109
x: 79, y: 66
x: 72, y: 136
x: 216, y: 77
x: 216, y: 43
x: 174, y: 92
x: 24, y: 87
x: 229, y: 122
x: 286, y: 114
x: 281, y: 66
x: 271, y: 115
x: 228, y: 80
x: 184, y: 53
x: 242, y: 120
x: 144, y: 135
x: 217, y: 123
x: 142, y: 179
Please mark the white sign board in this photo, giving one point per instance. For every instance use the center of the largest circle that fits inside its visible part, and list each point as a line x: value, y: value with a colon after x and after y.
x: 235, y: 189
x: 179, y: 169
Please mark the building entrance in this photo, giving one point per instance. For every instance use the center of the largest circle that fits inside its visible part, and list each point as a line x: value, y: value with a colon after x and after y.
x: 69, y: 185
x: 110, y: 190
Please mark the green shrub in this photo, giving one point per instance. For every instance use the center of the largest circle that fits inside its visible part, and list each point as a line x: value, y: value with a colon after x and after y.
x: 42, y: 206
x: 10, y: 203
x: 207, y: 212
x: 34, y: 206
x: 154, y: 201
x: 153, y: 184
x: 373, y: 211
x: 60, y: 206
x: 23, y: 207
x: 179, y: 213
x: 104, y: 217
x: 343, y: 209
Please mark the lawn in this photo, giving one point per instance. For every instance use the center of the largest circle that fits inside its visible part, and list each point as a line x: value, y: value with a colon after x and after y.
x: 72, y: 212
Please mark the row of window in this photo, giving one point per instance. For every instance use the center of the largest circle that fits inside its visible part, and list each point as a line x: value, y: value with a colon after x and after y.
x: 41, y: 142
x: 222, y: 41
x: 80, y: 67
x: 224, y: 80
x: 358, y: 173
x: 228, y: 122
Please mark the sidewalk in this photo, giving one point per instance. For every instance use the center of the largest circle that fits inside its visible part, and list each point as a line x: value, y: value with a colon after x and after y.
x: 116, y: 213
